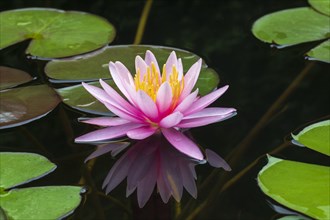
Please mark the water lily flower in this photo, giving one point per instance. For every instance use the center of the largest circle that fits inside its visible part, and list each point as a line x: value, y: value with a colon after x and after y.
x: 153, y: 162
x: 155, y: 102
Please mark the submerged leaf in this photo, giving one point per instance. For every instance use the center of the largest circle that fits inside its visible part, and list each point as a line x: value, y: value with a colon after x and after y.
x: 54, y: 33
x: 299, y: 186
x: 10, y: 77
x: 51, y: 202
x: 316, y: 137
x: 20, y: 168
x: 22, y: 105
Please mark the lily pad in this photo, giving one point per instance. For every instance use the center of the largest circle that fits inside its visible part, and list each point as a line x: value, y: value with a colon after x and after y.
x: 22, y: 105
x: 94, y: 66
x: 20, y: 168
x: 54, y: 33
x: 316, y: 137
x: 321, y: 52
x: 322, y: 6
x: 292, y: 26
x: 51, y: 202
x: 10, y: 77
x: 78, y: 98
x: 300, y: 186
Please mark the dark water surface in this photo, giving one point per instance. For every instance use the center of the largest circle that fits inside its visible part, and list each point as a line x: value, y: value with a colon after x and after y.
x: 218, y: 31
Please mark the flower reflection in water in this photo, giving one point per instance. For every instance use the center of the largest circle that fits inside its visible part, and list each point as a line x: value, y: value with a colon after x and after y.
x: 154, y: 162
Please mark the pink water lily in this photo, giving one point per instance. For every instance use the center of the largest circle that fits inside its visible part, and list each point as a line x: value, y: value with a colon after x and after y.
x: 155, y: 101
x: 160, y: 166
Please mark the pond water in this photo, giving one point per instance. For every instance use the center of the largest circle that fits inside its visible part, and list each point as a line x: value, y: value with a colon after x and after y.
x: 219, y: 32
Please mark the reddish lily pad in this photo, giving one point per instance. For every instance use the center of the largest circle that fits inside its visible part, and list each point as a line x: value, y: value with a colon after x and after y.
x: 54, y: 33
x: 10, y: 77
x: 22, y: 105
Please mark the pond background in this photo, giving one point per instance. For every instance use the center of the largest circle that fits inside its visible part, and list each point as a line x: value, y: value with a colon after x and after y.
x: 218, y: 31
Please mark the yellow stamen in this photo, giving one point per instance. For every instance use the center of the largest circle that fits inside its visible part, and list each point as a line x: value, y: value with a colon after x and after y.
x: 151, y: 81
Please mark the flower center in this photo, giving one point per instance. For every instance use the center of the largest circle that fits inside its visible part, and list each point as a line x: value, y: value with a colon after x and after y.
x: 152, y: 80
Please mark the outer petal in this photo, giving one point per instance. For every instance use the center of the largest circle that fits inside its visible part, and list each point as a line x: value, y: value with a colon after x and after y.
x: 187, y: 102
x: 180, y: 69
x: 208, y: 112
x: 98, y: 93
x: 171, y: 120
x: 120, y: 78
x: 197, y: 122
x: 105, y: 121
x: 141, y: 133
x: 147, y: 105
x: 206, y: 100
x: 172, y: 60
x: 107, y: 133
x: 150, y: 58
x: 116, y: 98
x: 216, y: 161
x: 182, y: 143
x: 140, y: 65
x: 124, y: 114
x: 164, y: 97
x: 190, y: 78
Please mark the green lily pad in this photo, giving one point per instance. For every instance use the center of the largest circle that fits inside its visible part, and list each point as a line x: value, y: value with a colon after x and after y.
x: 22, y: 105
x: 94, y: 66
x: 51, y: 202
x: 292, y: 217
x: 320, y: 52
x: 299, y: 186
x: 322, y: 6
x: 20, y: 168
x: 292, y: 26
x: 316, y: 137
x: 10, y: 77
x: 54, y: 33
x: 78, y: 98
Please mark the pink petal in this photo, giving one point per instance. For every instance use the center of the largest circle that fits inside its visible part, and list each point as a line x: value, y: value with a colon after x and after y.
x: 126, y: 76
x: 164, y: 97
x: 187, y: 102
x: 206, y: 100
x: 172, y: 60
x: 212, y: 111
x: 180, y: 69
x: 98, y: 93
x: 103, y: 149
x: 197, y: 122
x: 182, y: 143
x: 116, y: 99
x: 141, y: 66
x: 150, y: 58
x: 119, y: 75
x: 141, y: 133
x: 107, y: 133
x: 190, y: 78
x: 216, y: 161
x: 123, y: 114
x: 106, y: 121
x: 171, y: 120
x: 147, y: 105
